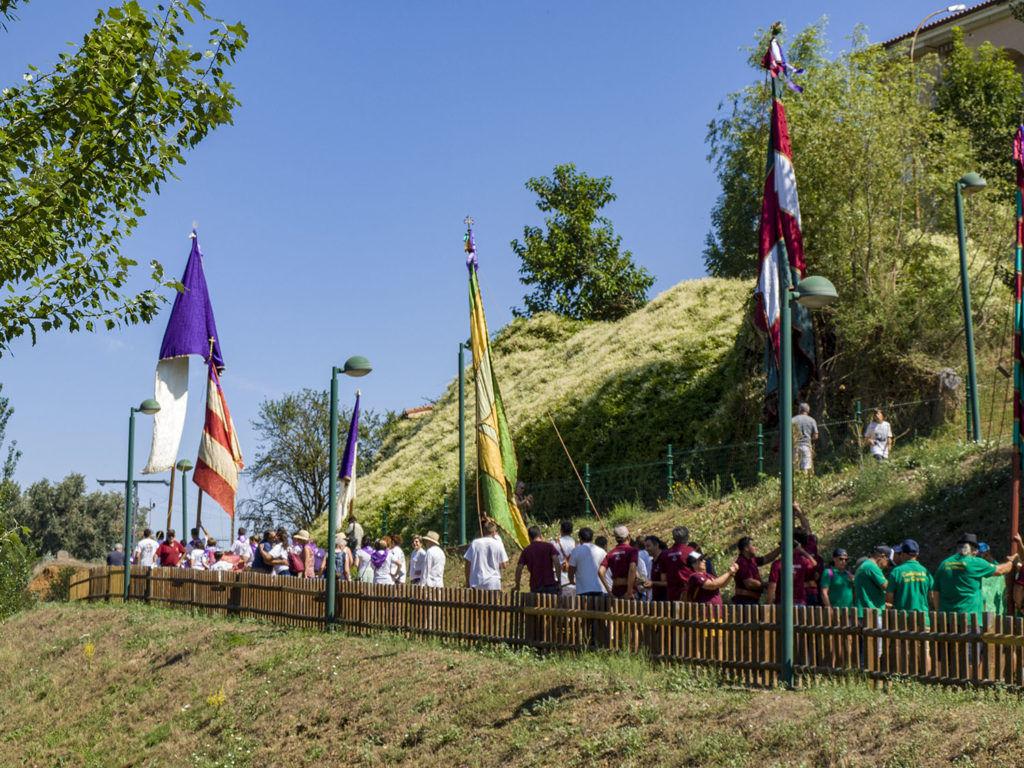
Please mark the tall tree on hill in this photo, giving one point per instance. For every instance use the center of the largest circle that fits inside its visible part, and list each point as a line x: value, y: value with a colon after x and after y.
x: 857, y: 129
x: 291, y: 466
x: 575, y: 265
x: 84, y: 144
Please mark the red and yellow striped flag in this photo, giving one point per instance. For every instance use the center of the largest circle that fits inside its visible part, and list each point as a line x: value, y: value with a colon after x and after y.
x: 220, y: 456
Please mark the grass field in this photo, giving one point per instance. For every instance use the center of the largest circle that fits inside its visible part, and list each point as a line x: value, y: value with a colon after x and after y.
x: 107, y: 686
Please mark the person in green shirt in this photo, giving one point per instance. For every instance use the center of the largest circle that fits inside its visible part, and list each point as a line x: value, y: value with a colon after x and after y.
x: 837, y: 582
x: 909, y: 582
x: 958, y: 578
x: 869, y: 583
x: 993, y: 588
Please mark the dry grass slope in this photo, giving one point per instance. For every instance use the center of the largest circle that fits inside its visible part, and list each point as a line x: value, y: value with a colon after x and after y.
x: 91, y: 686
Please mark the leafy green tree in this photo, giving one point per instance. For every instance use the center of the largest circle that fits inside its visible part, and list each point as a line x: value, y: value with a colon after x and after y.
x: 15, y: 570
x: 63, y: 516
x: 15, y: 560
x: 575, y: 265
x: 982, y: 91
x: 84, y: 144
x: 291, y: 466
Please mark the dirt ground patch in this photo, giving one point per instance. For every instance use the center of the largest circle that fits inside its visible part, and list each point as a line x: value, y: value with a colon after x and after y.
x: 101, y: 685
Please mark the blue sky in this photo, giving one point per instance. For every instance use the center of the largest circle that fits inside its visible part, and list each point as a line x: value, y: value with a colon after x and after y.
x: 330, y: 214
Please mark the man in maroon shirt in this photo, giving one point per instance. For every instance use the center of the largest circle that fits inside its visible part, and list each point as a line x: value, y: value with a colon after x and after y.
x: 803, y: 565
x: 675, y: 569
x: 541, y: 558
x: 702, y: 587
x: 170, y: 552
x: 748, y: 574
x: 621, y: 561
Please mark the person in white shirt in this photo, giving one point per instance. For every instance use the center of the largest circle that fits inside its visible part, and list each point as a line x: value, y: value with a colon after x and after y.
x: 643, y: 566
x: 280, y: 552
x: 434, y: 561
x: 565, y: 544
x: 419, y: 554
x: 486, y: 559
x: 197, y: 558
x: 241, y: 547
x: 584, y: 563
x: 145, y: 550
x: 399, y: 558
x: 385, y: 570
x: 878, y: 435
x: 218, y: 564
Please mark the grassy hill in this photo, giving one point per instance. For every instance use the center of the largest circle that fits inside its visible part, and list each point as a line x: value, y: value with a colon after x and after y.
x: 90, y: 686
x: 619, y: 393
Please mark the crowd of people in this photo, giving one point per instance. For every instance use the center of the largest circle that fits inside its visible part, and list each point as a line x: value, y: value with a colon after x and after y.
x: 969, y: 581
x: 637, y: 567
x: 375, y: 561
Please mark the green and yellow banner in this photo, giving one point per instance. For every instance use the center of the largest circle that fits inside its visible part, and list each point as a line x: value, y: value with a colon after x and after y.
x: 496, y: 457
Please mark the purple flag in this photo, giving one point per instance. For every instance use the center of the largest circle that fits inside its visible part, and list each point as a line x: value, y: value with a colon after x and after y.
x: 191, y: 325
x: 190, y: 330
x: 348, y: 459
x: 347, y: 473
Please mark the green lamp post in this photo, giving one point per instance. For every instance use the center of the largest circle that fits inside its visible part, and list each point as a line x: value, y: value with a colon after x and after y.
x: 968, y: 184
x: 812, y: 292
x: 354, y: 366
x: 184, y: 465
x: 149, y: 407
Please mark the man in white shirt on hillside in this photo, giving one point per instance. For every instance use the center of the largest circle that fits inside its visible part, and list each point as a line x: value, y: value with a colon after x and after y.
x: 486, y: 559
x: 565, y: 544
x: 878, y: 435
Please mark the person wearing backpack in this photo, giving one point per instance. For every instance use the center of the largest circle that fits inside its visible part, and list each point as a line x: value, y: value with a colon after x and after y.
x: 342, y: 558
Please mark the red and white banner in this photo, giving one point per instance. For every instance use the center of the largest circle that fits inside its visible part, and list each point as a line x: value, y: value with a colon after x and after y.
x: 779, y: 231
x: 220, y: 456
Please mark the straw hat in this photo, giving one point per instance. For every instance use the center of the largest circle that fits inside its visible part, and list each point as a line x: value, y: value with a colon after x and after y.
x: 432, y: 537
x: 302, y: 535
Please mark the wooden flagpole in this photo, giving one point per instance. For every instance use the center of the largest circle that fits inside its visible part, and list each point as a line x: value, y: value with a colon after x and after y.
x: 199, y: 512
x: 583, y: 485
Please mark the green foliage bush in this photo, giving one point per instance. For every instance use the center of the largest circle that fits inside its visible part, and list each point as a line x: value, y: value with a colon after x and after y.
x: 15, y: 571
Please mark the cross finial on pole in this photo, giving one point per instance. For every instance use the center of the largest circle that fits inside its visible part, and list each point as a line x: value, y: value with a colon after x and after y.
x: 469, y: 222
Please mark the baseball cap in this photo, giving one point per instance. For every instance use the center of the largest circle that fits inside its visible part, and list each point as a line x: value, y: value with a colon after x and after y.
x: 621, y: 532
x: 909, y: 547
x: 694, y: 556
x: 884, y: 549
x: 983, y: 547
x: 839, y: 552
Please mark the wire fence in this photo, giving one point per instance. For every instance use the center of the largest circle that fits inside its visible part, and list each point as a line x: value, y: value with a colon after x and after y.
x: 676, y: 474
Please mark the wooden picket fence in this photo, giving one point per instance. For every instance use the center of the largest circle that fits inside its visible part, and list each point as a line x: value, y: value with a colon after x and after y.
x: 740, y: 641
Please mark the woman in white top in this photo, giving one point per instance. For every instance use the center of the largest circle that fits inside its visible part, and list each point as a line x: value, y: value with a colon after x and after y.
x: 382, y: 561
x: 416, y: 561
x: 399, y: 557
x: 280, y: 552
